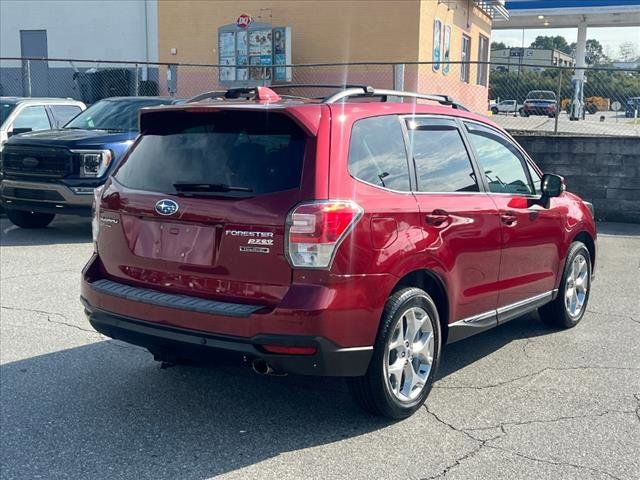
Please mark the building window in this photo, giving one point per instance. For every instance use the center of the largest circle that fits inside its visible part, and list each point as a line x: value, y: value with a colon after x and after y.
x: 466, y: 58
x: 483, y: 56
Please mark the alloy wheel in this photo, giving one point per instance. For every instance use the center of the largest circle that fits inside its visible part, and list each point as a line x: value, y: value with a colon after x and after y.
x: 409, y: 354
x: 577, y: 285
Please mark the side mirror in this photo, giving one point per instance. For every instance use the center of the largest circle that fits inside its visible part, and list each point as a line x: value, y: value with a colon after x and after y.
x: 552, y: 185
x: 18, y: 131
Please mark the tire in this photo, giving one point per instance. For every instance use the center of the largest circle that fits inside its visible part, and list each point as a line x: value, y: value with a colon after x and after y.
x: 374, y: 391
x: 494, y: 111
x: 559, y: 313
x: 26, y: 219
x: 524, y: 114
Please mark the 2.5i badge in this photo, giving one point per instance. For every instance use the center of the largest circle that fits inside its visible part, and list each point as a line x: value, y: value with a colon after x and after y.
x: 246, y: 249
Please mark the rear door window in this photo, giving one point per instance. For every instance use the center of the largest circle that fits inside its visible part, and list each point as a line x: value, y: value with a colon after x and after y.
x: 63, y: 113
x: 441, y: 158
x: 228, y: 153
x: 377, y: 153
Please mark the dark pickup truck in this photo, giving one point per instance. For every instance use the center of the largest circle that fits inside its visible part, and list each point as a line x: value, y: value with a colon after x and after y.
x: 53, y: 172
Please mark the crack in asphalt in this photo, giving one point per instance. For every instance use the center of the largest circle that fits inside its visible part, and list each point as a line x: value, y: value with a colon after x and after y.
x: 637, y: 397
x: 501, y: 425
x: 49, y: 319
x: 529, y: 375
x: 485, y: 443
x: 467, y: 455
x: 528, y: 341
x: 628, y: 317
x: 553, y: 462
x: 70, y: 325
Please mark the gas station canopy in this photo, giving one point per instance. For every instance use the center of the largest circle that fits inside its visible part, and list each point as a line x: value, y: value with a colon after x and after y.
x: 530, y: 14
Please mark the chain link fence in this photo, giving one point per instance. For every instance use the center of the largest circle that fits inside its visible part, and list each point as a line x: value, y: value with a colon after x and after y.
x: 523, y: 98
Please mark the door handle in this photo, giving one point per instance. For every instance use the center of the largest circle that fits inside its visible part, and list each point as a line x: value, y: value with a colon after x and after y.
x: 509, y: 218
x: 437, y: 217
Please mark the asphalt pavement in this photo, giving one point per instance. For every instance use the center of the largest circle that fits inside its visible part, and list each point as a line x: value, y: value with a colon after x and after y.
x: 520, y: 401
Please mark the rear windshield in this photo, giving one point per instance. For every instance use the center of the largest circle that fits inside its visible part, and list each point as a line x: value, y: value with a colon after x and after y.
x: 541, y: 95
x: 228, y: 153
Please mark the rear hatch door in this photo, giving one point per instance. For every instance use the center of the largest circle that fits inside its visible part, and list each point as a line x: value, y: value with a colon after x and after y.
x: 201, y: 203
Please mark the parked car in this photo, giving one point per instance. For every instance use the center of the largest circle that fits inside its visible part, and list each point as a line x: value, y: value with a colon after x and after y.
x: 46, y: 173
x: 540, y: 102
x: 506, y: 106
x: 347, y: 236
x: 632, y: 107
x: 22, y: 114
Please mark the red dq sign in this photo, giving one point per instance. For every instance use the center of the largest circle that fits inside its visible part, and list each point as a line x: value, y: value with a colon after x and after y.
x: 244, y: 20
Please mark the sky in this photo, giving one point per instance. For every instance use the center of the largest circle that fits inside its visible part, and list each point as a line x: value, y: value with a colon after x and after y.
x: 609, y: 37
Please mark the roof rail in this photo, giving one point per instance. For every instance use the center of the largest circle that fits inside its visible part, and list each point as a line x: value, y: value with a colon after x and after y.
x: 374, y: 92
x: 317, y: 85
x: 251, y: 92
x: 208, y: 95
x: 346, y: 92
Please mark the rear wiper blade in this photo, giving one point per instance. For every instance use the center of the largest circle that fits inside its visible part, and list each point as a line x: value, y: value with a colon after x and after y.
x: 208, y: 187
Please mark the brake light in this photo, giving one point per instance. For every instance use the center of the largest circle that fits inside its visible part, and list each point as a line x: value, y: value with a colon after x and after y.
x: 316, y: 229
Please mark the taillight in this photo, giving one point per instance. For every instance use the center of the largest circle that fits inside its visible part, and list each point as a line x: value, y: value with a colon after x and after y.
x: 316, y: 229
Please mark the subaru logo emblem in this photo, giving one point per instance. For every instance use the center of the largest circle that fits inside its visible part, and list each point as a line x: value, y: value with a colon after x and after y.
x: 166, y: 207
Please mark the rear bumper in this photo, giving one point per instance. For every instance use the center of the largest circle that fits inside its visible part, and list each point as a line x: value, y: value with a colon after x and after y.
x: 339, y: 315
x: 180, y: 343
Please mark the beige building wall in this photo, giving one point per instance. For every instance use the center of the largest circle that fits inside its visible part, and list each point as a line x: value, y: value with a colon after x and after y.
x: 464, y: 19
x: 323, y: 31
x: 335, y: 31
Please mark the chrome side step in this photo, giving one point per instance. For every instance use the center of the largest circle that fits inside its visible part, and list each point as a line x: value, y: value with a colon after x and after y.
x: 484, y: 321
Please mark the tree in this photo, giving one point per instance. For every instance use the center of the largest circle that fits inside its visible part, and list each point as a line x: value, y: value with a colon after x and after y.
x: 594, y: 53
x: 558, y: 42
x: 498, y: 46
x: 628, y: 51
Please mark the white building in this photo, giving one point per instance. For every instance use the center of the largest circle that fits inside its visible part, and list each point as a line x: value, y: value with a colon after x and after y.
x: 511, y: 59
x: 116, y: 30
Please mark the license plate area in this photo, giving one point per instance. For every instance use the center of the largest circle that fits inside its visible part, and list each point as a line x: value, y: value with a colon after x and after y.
x: 173, y: 242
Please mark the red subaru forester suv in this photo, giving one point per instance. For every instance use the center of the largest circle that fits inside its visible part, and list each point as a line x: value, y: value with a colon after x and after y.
x: 352, y: 235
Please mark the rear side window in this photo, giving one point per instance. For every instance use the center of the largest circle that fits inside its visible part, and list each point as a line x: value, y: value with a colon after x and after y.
x: 377, y: 153
x: 441, y: 159
x: 64, y: 113
x: 229, y: 153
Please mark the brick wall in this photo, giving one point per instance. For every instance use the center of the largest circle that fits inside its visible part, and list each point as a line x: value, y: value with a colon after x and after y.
x: 602, y: 170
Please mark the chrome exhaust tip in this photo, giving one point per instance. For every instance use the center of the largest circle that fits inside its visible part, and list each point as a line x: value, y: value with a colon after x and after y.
x: 261, y: 367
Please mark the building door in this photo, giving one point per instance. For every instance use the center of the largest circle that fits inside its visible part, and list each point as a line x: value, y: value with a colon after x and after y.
x: 35, y: 73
